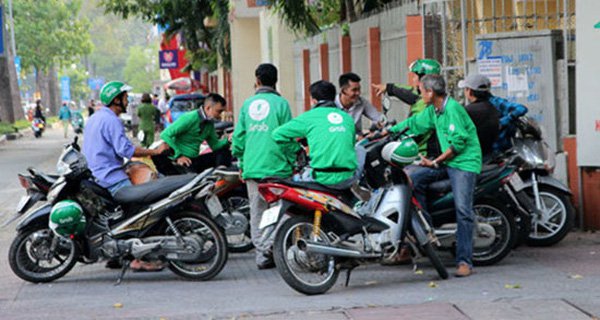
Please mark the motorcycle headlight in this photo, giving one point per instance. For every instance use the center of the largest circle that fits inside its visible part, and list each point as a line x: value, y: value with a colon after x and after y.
x: 531, y: 155
x: 549, y: 161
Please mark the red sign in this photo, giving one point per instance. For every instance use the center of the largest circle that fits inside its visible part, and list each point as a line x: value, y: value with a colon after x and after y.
x: 597, y: 125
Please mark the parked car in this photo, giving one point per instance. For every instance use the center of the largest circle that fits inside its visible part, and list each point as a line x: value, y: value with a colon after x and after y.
x: 180, y: 104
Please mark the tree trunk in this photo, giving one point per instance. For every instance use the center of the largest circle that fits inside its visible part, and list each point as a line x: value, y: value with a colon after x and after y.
x: 41, y: 84
x: 54, y: 90
x: 10, y: 100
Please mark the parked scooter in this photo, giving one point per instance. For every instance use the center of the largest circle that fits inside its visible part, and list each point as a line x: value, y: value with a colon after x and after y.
x: 318, y: 233
x: 77, y: 122
x: 38, y: 125
x: 537, y: 193
x: 83, y: 222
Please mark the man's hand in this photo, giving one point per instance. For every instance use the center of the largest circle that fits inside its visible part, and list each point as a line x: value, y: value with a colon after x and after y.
x: 184, y: 161
x: 425, y: 162
x: 162, y: 148
x: 379, y: 88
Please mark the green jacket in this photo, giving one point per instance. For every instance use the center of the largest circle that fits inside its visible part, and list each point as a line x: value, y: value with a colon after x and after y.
x: 258, y: 155
x: 454, y: 130
x: 146, y: 112
x: 186, y: 135
x: 417, y: 105
x: 330, y: 133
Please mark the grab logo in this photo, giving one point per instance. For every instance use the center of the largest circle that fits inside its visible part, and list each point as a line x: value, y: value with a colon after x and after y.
x: 262, y: 127
x: 335, y: 118
x: 259, y: 109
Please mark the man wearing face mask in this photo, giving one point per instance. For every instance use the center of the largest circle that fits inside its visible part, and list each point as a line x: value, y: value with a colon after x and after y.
x: 105, y: 144
x: 186, y: 135
x: 350, y: 101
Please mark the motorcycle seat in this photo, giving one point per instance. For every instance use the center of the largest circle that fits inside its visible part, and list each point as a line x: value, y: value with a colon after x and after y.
x: 345, y: 195
x: 488, y: 172
x: 152, y: 191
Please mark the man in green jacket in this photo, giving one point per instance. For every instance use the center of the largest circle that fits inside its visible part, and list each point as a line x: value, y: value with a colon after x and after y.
x: 330, y: 133
x: 460, y: 159
x: 411, y: 95
x: 258, y: 155
x: 186, y: 135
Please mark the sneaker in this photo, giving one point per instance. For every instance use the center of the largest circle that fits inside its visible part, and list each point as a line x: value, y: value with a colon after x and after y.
x: 402, y: 258
x: 463, y: 270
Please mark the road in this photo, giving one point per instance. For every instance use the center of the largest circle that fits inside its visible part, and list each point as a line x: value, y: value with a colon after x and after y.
x: 561, y: 282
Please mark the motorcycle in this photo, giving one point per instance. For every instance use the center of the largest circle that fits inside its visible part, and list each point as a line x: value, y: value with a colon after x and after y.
x: 153, y: 222
x: 227, y: 201
x: 38, y: 125
x: 538, y: 194
x: 318, y: 233
x: 77, y: 122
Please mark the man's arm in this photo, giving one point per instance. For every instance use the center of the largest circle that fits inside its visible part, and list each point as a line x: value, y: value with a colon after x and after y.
x: 213, y: 140
x: 419, y: 124
x: 286, y: 133
x: 238, y: 140
x: 371, y: 112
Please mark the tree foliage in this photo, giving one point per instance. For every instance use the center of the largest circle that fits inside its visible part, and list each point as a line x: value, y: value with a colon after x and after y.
x: 202, y: 42
x: 49, y: 33
x: 141, y: 68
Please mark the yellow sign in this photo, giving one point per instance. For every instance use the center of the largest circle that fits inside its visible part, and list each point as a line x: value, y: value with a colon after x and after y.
x: 37, y: 95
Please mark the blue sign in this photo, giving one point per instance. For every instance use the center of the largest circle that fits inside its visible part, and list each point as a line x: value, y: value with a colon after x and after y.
x: 1, y: 31
x: 65, y: 88
x: 95, y: 83
x: 18, y: 65
x: 168, y: 59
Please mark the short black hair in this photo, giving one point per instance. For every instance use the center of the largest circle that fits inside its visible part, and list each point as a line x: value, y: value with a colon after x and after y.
x: 215, y: 98
x: 481, y: 95
x: 146, y: 98
x: 347, y: 77
x: 322, y: 91
x: 266, y: 73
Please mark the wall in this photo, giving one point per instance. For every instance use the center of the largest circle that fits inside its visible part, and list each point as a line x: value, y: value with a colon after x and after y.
x: 245, y: 56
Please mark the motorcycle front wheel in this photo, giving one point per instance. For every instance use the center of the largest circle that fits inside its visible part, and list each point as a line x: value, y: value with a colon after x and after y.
x: 556, y: 220
x: 427, y: 248
x: 213, y: 256
x: 38, y: 255
x: 307, y: 273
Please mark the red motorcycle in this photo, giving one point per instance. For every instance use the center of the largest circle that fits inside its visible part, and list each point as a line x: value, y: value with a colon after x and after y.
x: 318, y: 233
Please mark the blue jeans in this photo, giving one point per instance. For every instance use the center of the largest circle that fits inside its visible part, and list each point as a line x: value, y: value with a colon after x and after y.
x: 463, y: 186
x: 118, y: 186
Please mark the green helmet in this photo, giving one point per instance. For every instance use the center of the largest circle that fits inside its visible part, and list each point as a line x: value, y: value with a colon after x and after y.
x: 111, y: 90
x: 425, y: 66
x: 400, y: 153
x: 67, y: 218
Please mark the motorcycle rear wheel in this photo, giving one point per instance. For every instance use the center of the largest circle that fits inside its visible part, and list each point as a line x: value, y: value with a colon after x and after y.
x: 214, y: 255
x: 496, y: 215
x: 31, y: 259
x: 292, y: 262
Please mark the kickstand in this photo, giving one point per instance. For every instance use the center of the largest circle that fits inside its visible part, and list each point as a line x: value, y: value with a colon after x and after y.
x: 125, y: 264
x: 348, y: 273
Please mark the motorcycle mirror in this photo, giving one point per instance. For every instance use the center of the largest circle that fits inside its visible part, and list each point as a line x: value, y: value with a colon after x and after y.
x: 386, y: 103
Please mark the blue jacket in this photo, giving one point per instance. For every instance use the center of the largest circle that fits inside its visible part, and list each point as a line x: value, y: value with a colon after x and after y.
x: 509, y: 112
x: 64, y: 113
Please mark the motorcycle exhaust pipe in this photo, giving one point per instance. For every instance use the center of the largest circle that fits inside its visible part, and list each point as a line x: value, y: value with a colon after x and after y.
x: 313, y: 247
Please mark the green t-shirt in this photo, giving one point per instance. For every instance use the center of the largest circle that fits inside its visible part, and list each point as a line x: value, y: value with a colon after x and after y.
x: 186, y: 134
x: 259, y: 156
x: 330, y: 133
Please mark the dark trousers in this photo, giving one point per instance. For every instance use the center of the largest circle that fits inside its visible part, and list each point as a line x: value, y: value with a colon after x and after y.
x: 169, y: 167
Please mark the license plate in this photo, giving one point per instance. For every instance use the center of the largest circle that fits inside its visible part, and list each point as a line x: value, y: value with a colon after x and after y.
x: 269, y: 216
x: 214, y: 205
x: 22, y: 203
x: 516, y: 182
